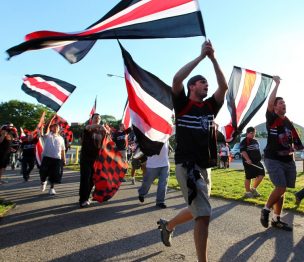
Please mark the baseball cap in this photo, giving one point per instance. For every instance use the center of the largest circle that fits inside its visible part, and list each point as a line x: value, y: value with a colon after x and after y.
x: 193, y: 79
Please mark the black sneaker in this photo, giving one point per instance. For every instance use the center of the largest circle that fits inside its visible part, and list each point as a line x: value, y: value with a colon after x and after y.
x: 165, y: 234
x: 265, y: 217
x: 281, y: 225
x: 161, y: 205
x: 141, y: 199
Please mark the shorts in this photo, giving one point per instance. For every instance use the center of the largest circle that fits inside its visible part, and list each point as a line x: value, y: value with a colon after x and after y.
x: 281, y: 174
x: 224, y: 159
x: 50, y: 168
x: 200, y: 205
x: 253, y: 171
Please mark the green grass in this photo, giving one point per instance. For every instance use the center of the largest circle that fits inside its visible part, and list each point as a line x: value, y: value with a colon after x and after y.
x: 5, y: 207
x: 229, y: 184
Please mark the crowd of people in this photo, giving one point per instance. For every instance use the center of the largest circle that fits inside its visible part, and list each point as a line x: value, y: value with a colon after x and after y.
x: 196, y: 153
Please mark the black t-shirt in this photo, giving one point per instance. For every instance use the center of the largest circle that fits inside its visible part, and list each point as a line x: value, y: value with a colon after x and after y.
x: 91, y: 143
x: 121, y: 139
x: 252, y: 147
x: 29, y: 147
x: 195, y: 132
x: 279, y: 141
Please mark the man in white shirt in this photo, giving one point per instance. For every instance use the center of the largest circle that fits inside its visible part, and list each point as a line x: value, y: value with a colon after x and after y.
x: 157, y: 167
x: 53, y: 154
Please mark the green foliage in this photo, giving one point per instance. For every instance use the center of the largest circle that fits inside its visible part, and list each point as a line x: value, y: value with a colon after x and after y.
x: 22, y: 114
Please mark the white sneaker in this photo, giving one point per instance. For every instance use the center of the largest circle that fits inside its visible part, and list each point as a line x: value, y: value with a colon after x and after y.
x: 43, y: 186
x: 133, y: 180
x: 52, y: 191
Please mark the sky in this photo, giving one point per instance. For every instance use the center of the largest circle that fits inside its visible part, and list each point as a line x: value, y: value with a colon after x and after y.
x: 264, y: 36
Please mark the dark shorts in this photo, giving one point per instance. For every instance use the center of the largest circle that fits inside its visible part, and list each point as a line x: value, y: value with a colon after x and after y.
x: 281, y: 174
x: 253, y: 171
x: 50, y: 168
x: 224, y: 159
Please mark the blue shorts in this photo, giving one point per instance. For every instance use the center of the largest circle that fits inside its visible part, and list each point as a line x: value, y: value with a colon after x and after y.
x: 281, y: 174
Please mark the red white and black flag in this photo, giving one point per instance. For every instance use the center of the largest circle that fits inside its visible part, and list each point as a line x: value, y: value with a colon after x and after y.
x: 126, y: 118
x: 93, y: 111
x: 49, y: 91
x: 129, y: 19
x: 246, y: 94
x: 150, y: 105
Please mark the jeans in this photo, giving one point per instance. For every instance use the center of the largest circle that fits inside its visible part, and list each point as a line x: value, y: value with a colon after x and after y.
x: 162, y: 173
x: 300, y: 194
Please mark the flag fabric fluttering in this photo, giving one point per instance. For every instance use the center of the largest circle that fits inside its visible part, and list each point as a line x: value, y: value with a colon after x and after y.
x: 93, y: 111
x: 246, y: 94
x: 126, y: 118
x: 40, y: 144
x: 129, y: 19
x: 64, y: 127
x: 50, y: 91
x: 109, y: 171
x: 150, y: 105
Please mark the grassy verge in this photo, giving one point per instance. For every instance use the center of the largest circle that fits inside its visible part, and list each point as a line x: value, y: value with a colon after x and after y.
x: 5, y: 206
x: 229, y: 184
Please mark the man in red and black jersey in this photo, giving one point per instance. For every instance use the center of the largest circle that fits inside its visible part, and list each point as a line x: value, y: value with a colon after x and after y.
x: 251, y: 156
x: 282, y: 141
x: 196, y: 149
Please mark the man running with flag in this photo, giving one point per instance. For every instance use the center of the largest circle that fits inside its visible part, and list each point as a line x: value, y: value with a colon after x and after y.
x: 196, y: 149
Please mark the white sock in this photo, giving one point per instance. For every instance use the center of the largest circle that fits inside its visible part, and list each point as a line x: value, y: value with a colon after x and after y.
x: 275, y: 217
x: 265, y: 207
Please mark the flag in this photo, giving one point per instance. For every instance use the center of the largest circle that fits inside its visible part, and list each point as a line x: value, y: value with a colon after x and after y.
x: 40, y: 145
x: 109, y: 171
x: 129, y: 19
x: 126, y: 119
x: 49, y: 91
x: 64, y: 127
x: 93, y: 111
x: 247, y: 91
x: 150, y: 105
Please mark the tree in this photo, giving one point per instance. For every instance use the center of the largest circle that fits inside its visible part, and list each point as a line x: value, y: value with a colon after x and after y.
x: 22, y: 114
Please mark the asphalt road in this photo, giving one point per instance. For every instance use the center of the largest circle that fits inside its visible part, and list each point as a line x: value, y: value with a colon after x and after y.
x: 45, y: 228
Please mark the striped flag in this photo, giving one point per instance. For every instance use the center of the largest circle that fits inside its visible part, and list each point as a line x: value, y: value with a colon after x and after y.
x: 150, y: 105
x: 129, y: 19
x: 126, y: 118
x: 93, y: 111
x: 40, y: 143
x: 49, y: 91
x: 246, y: 94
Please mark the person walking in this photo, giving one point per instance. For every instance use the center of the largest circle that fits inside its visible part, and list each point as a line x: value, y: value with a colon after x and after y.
x: 92, y: 137
x: 52, y: 155
x: 28, y: 147
x: 196, y: 147
x: 251, y: 157
x: 282, y: 141
x: 157, y: 166
x: 5, y: 150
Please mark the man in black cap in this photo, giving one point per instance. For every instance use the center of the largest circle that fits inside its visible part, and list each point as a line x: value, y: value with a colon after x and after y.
x: 196, y: 148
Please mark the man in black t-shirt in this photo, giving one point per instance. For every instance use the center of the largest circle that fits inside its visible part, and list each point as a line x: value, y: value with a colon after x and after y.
x: 28, y: 146
x: 251, y: 156
x: 196, y: 149
x: 282, y: 141
x: 120, y: 137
